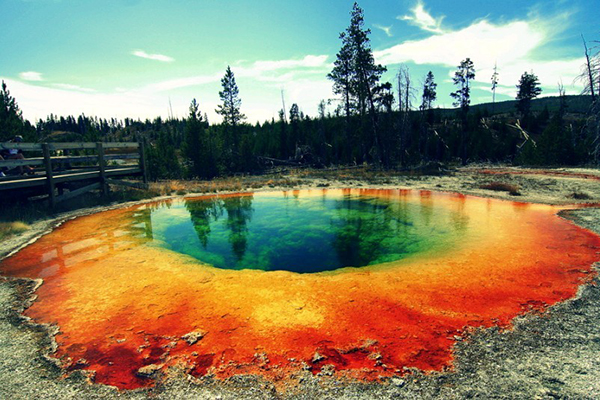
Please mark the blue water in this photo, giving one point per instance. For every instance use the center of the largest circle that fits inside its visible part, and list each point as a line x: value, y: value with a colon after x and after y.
x: 301, y: 233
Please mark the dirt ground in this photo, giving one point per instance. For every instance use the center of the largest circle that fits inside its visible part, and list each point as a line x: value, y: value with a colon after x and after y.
x: 551, y: 355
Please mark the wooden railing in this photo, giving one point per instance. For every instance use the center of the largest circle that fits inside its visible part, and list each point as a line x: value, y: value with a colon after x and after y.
x: 55, y: 169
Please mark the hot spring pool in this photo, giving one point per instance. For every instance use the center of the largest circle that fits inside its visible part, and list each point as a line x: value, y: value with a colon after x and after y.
x: 366, y: 281
x: 303, y: 232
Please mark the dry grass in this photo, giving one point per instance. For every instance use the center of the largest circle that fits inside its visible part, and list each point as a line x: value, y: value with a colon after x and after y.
x: 285, y: 178
x: 231, y: 184
x: 12, y: 228
x: 513, y: 190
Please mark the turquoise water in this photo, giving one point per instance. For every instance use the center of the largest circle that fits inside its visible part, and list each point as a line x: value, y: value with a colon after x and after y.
x: 304, y: 232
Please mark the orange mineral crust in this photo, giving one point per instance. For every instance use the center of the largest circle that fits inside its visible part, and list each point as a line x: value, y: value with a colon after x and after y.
x: 127, y: 307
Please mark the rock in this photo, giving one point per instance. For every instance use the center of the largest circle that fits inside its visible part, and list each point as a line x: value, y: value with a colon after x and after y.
x: 149, y: 370
x: 193, y: 337
x: 81, y: 363
x: 262, y: 358
x: 368, y: 343
x: 398, y: 382
x: 317, y: 357
x: 327, y: 370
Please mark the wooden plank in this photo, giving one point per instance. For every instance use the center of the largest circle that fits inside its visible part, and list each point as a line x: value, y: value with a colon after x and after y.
x: 66, y: 159
x: 121, y: 145
x: 22, y: 183
x: 21, y: 146
x: 72, y: 146
x: 78, y: 192
x: 67, y: 145
x: 119, y: 182
x: 106, y: 145
x: 123, y: 171
x: 82, y: 146
x: 96, y: 174
x: 126, y: 156
x: 49, y: 178
x: 19, y: 163
x: 143, y: 163
x: 67, y: 177
x: 75, y: 169
x: 77, y: 176
x: 16, y: 177
x: 102, y: 167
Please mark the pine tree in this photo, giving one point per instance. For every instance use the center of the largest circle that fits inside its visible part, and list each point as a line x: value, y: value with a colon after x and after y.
x: 193, y: 132
x: 428, y: 97
x: 11, y: 117
x: 366, y: 73
x: 342, y: 74
x: 230, y: 109
x: 198, y: 146
x: 294, y: 139
x: 528, y: 89
x: 356, y: 76
x: 429, y: 92
x: 463, y: 76
x: 232, y: 118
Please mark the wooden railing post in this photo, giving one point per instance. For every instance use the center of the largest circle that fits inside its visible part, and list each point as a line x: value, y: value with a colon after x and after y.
x: 101, y: 174
x: 49, y: 177
x: 143, y: 161
x: 102, y: 167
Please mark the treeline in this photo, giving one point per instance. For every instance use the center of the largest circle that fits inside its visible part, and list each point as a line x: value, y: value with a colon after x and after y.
x: 191, y: 148
x: 374, y: 122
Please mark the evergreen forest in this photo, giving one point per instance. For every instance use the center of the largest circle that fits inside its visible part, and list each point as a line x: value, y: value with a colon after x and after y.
x: 385, y: 124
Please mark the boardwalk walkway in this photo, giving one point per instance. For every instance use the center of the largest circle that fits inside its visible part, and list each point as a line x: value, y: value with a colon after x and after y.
x: 75, y: 167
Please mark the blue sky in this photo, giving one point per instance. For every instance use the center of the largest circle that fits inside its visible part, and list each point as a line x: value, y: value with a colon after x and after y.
x: 129, y: 58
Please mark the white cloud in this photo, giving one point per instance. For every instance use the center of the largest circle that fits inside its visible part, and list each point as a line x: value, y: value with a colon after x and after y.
x: 40, y: 101
x: 550, y: 73
x: 283, y: 72
x: 177, y: 83
x: 155, y: 57
x: 68, y: 86
x: 31, y: 76
x: 482, y: 41
x: 422, y: 19
x: 515, y: 46
x: 260, y: 83
x: 386, y: 29
x: 309, y: 61
x: 264, y: 71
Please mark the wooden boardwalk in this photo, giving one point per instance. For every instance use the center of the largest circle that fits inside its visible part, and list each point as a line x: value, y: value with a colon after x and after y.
x: 99, y: 165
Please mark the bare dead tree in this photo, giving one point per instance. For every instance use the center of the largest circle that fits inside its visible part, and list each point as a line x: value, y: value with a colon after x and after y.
x: 590, y: 76
x: 589, y: 69
x: 494, y: 85
x: 405, y: 97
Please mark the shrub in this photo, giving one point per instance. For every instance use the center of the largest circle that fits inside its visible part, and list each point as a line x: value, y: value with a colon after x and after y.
x: 513, y: 190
